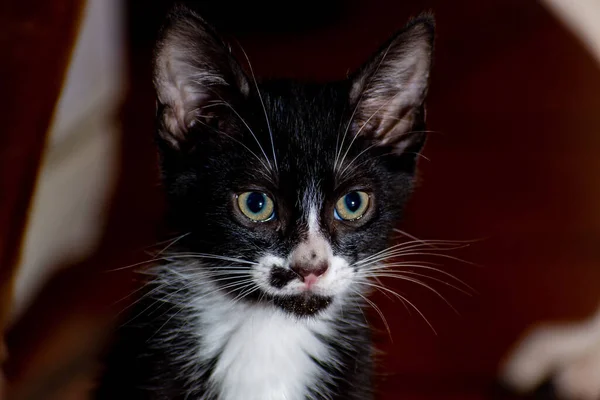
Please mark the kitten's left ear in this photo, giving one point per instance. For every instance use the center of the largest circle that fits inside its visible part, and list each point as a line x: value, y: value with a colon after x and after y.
x: 193, y: 70
x: 389, y: 91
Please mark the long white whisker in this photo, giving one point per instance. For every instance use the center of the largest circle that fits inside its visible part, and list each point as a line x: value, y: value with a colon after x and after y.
x: 404, y: 273
x: 409, y: 302
x: 263, y: 107
x: 418, y: 253
x: 252, y: 133
x: 209, y: 256
x: 387, y: 327
x: 386, y: 269
x: 426, y: 241
x: 365, y: 124
x: 241, y: 119
x: 171, y: 243
x: 356, y: 158
x: 230, y: 286
x: 417, y: 243
x: 246, y: 293
x: 184, y: 256
x: 171, y: 317
x: 247, y: 148
x: 434, y: 255
x: 420, y: 283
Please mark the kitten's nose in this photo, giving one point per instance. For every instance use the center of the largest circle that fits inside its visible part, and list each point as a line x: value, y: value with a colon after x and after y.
x: 304, y: 270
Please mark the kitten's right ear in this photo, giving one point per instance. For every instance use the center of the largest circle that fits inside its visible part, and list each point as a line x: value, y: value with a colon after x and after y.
x: 389, y: 91
x: 193, y: 68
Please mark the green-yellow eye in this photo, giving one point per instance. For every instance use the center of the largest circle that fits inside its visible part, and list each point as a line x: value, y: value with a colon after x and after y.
x: 352, y: 206
x: 257, y: 206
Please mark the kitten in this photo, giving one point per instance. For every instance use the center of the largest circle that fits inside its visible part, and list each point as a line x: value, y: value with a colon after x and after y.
x: 284, y: 192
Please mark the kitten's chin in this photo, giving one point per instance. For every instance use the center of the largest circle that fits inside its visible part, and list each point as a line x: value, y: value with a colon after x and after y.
x: 302, y: 305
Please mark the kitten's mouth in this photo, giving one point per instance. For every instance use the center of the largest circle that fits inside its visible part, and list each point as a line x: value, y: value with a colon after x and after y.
x: 302, y: 305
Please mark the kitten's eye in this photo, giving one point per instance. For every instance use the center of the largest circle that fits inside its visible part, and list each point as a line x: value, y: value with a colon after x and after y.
x: 257, y: 206
x: 352, y: 206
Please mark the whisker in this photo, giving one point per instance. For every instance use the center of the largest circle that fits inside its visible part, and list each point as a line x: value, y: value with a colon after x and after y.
x: 247, y: 148
x: 160, y: 287
x: 402, y: 276
x: 376, y: 278
x: 263, y: 106
x: 154, y: 290
x: 170, y: 295
x: 365, y: 124
x: 355, y: 158
x: 246, y: 293
x: 468, y: 241
x: 418, y: 253
x: 241, y: 119
x: 420, y: 283
x: 385, y: 268
x: 177, y: 256
x: 372, y: 304
x: 170, y: 243
x: 182, y: 308
x: 432, y: 244
x: 409, y: 302
x: 210, y: 257
x: 435, y: 279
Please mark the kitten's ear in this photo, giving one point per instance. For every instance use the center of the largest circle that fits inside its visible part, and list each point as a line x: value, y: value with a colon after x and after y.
x: 193, y: 69
x: 389, y: 90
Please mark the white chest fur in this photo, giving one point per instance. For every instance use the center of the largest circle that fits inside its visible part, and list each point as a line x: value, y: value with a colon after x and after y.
x: 265, y: 354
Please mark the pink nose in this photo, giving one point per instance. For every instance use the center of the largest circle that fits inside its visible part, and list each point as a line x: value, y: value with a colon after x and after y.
x: 304, y: 270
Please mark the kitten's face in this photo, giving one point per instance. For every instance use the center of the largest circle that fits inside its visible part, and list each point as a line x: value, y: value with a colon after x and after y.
x: 292, y: 186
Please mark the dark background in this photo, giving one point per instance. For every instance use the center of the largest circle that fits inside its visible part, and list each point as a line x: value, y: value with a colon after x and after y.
x: 512, y: 160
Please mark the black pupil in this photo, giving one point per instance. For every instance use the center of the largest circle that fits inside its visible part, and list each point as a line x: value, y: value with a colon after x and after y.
x: 353, y: 201
x: 255, y: 202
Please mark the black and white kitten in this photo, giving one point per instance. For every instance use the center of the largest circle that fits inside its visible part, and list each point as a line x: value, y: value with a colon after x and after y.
x: 283, y: 192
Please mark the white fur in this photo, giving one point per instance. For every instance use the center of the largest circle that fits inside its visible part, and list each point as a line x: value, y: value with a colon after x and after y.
x: 568, y: 353
x: 313, y: 221
x: 265, y: 353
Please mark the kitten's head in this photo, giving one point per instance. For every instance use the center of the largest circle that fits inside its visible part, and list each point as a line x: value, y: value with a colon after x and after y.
x: 290, y: 186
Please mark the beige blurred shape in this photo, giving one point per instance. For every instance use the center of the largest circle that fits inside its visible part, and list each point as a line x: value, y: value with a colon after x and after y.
x: 78, y: 166
x: 582, y: 17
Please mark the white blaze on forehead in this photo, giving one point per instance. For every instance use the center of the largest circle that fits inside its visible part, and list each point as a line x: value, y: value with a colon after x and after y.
x: 315, y: 249
x: 313, y: 221
x: 311, y: 204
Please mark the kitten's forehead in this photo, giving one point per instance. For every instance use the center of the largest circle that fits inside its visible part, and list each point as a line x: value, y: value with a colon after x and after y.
x: 307, y: 122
